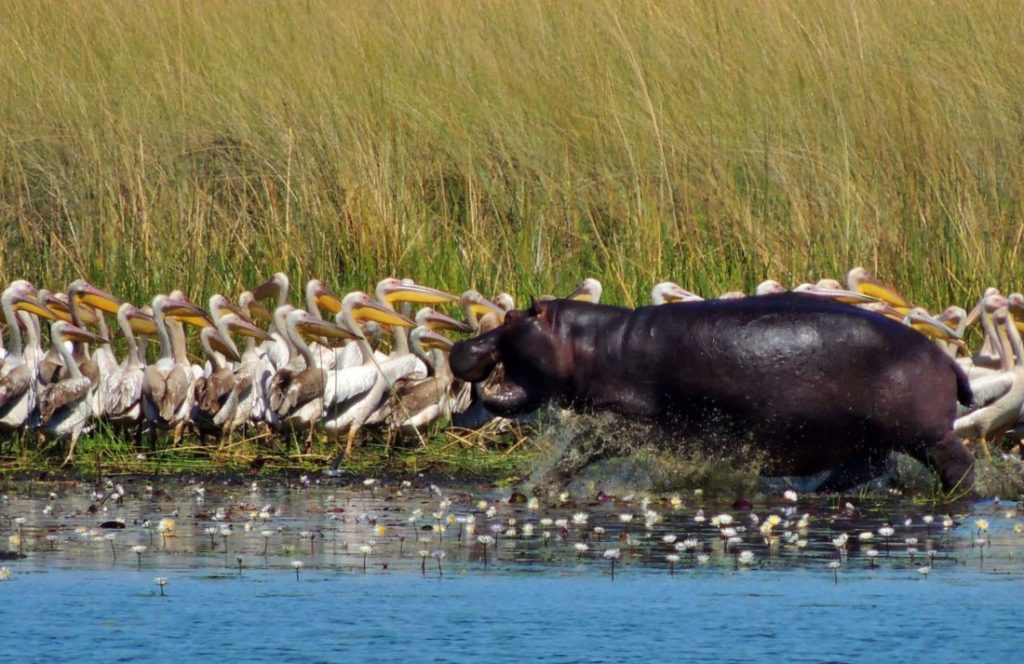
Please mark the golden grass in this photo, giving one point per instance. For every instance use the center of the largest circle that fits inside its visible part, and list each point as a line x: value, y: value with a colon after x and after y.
x: 512, y: 145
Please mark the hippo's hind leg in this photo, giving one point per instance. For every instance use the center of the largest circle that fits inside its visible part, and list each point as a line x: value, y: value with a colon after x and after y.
x: 951, y: 460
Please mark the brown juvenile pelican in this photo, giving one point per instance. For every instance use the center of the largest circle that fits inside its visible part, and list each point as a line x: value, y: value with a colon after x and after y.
x: 65, y: 406
x: 419, y: 403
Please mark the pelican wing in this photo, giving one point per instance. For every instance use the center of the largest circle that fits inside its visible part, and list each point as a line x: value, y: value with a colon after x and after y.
x: 990, y: 388
x: 57, y: 395
x: 343, y: 384
x: 15, y: 383
x: 121, y: 392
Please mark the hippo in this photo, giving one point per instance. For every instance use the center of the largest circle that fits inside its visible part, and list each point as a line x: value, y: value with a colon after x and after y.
x: 816, y: 383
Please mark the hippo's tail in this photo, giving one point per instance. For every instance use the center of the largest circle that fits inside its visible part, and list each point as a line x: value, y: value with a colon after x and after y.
x: 964, y: 394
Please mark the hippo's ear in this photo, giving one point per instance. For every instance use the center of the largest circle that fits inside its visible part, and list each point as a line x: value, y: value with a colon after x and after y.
x: 541, y: 308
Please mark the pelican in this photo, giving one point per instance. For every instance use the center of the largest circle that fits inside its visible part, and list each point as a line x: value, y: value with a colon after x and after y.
x: 65, y: 406
x: 930, y: 326
x: 165, y: 385
x: 831, y: 289
x: 279, y: 349
x: 860, y: 281
x: 668, y: 291
x: 354, y: 393
x: 418, y: 403
x: 769, y: 287
x: 481, y: 314
x: 215, y: 394
x: 589, y: 290
x: 119, y: 394
x: 255, y: 370
x: 18, y: 374
x: 999, y: 414
x: 296, y: 390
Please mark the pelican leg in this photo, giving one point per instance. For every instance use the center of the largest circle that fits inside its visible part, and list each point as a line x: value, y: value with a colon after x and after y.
x: 352, y: 433
x: 179, y: 432
x: 71, y: 449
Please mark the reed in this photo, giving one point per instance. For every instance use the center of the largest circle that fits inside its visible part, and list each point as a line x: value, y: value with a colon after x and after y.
x: 517, y: 146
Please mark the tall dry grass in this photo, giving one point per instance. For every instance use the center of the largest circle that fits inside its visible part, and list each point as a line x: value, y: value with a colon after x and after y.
x: 515, y: 145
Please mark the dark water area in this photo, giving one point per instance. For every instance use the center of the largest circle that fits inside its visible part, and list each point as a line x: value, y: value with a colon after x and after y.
x: 740, y: 590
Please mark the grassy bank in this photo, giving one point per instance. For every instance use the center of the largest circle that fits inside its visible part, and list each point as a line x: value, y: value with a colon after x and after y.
x: 512, y: 145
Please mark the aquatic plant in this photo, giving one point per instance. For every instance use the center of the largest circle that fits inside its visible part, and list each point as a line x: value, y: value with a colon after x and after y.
x: 612, y: 556
x: 266, y: 534
x: 366, y: 550
x: 5, y: 574
x: 672, y: 559
x: 834, y: 566
x: 886, y: 532
x: 297, y: 566
x: 485, y: 541
x: 424, y: 554
x: 138, y: 550
x: 924, y: 570
x: 438, y: 555
x: 161, y: 581
x: 110, y: 538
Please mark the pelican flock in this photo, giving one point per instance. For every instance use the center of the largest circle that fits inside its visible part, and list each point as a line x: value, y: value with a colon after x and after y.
x: 339, y: 365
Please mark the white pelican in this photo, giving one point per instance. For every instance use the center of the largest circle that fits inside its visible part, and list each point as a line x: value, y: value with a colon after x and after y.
x: 769, y: 287
x: 18, y: 374
x: 481, y: 314
x: 667, y: 291
x: 861, y: 281
x: 999, y: 414
x: 119, y: 394
x: 589, y: 290
x: 353, y: 394
x: 165, y: 386
x: 65, y: 406
x: 278, y: 349
x: 255, y: 370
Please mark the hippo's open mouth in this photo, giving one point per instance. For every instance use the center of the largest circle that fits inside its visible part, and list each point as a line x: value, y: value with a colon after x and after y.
x: 479, y: 360
x: 504, y: 396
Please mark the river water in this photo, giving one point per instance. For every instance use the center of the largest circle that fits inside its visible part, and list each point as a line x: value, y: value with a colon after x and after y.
x: 228, y: 549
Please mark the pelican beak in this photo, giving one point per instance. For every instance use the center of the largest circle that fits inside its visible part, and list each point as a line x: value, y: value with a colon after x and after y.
x: 220, y: 344
x: 94, y: 297
x: 140, y: 322
x: 268, y: 288
x: 227, y: 307
x: 326, y: 299
x: 928, y: 325
x: 880, y: 291
x: 843, y: 295
x: 429, y: 339
x: 29, y: 303
x: 435, y: 320
x: 476, y: 306
x: 416, y: 294
x: 322, y: 328
x: 58, y: 307
x: 372, y: 310
x: 186, y: 312
x: 243, y: 326
x: 583, y: 293
x: 884, y: 309
x: 75, y: 333
x: 260, y: 312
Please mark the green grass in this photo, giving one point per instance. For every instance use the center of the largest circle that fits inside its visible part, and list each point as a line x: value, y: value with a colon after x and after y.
x: 515, y: 146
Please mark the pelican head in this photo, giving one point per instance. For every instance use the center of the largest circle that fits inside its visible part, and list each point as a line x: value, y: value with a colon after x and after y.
x: 861, y: 281
x: 434, y: 320
x: 769, y: 287
x: 276, y: 286
x: 475, y: 307
x: 589, y: 290
x: 668, y: 291
x: 93, y: 296
x: 391, y: 290
x: 363, y: 307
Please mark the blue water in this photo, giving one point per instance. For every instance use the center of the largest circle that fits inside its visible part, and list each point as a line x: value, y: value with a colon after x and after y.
x: 68, y: 598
